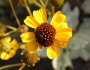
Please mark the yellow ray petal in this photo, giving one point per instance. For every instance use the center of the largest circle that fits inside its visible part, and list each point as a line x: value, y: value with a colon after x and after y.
x: 14, y: 44
x: 40, y: 15
x: 4, y: 56
x: 58, y: 18
x: 6, y: 39
x: 12, y: 53
x: 27, y: 36
x: 64, y: 33
x: 31, y: 22
x: 52, y: 52
x: 32, y: 46
x: 62, y: 42
x: 61, y: 25
x: 64, y: 30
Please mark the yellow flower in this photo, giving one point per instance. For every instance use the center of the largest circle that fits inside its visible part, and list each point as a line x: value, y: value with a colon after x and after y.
x: 7, y: 48
x: 51, y: 36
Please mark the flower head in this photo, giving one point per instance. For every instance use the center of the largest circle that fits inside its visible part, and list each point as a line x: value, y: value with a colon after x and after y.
x: 51, y: 36
x: 7, y: 48
x: 30, y: 58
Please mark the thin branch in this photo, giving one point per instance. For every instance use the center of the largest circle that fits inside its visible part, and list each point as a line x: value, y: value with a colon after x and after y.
x: 11, y: 65
x: 27, y: 7
x: 53, y: 10
x: 23, y: 65
x: 39, y: 5
x: 13, y: 28
x: 46, y: 3
x: 9, y: 32
x: 42, y: 2
x: 10, y: 1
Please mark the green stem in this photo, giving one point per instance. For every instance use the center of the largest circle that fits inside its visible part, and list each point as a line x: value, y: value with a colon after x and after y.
x: 10, y: 1
x: 27, y: 7
x: 10, y: 32
x: 42, y: 2
x: 13, y: 28
x: 39, y: 5
x: 23, y: 65
x: 53, y: 10
x: 46, y: 3
x: 11, y: 65
x: 36, y: 3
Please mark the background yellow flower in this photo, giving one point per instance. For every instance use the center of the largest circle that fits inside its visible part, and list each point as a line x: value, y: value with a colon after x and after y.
x: 8, y: 48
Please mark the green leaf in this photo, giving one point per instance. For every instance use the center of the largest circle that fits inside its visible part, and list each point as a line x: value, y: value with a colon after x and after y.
x: 86, y: 6
x: 78, y: 41
x: 73, y: 54
x: 60, y: 63
x: 72, y: 16
x: 83, y: 54
x: 85, y: 27
x: 88, y: 50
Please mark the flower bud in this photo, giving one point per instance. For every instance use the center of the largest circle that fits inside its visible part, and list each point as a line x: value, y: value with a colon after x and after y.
x: 30, y: 58
x: 23, y: 28
x: 57, y: 3
x: 15, y: 2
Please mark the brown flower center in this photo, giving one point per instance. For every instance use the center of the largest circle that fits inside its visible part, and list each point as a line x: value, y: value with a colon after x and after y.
x: 45, y: 34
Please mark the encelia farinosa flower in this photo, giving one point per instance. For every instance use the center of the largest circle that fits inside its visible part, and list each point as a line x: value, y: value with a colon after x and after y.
x: 51, y: 36
x: 7, y: 48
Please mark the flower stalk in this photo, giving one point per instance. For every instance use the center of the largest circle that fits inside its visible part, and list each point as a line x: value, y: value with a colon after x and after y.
x: 11, y: 65
x: 53, y: 9
x: 13, y: 28
x: 18, y: 22
x: 27, y: 7
x: 39, y: 5
x: 42, y: 2
x: 8, y: 33
x: 23, y: 65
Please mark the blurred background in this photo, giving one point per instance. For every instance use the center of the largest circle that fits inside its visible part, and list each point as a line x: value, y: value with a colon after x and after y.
x: 77, y: 54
